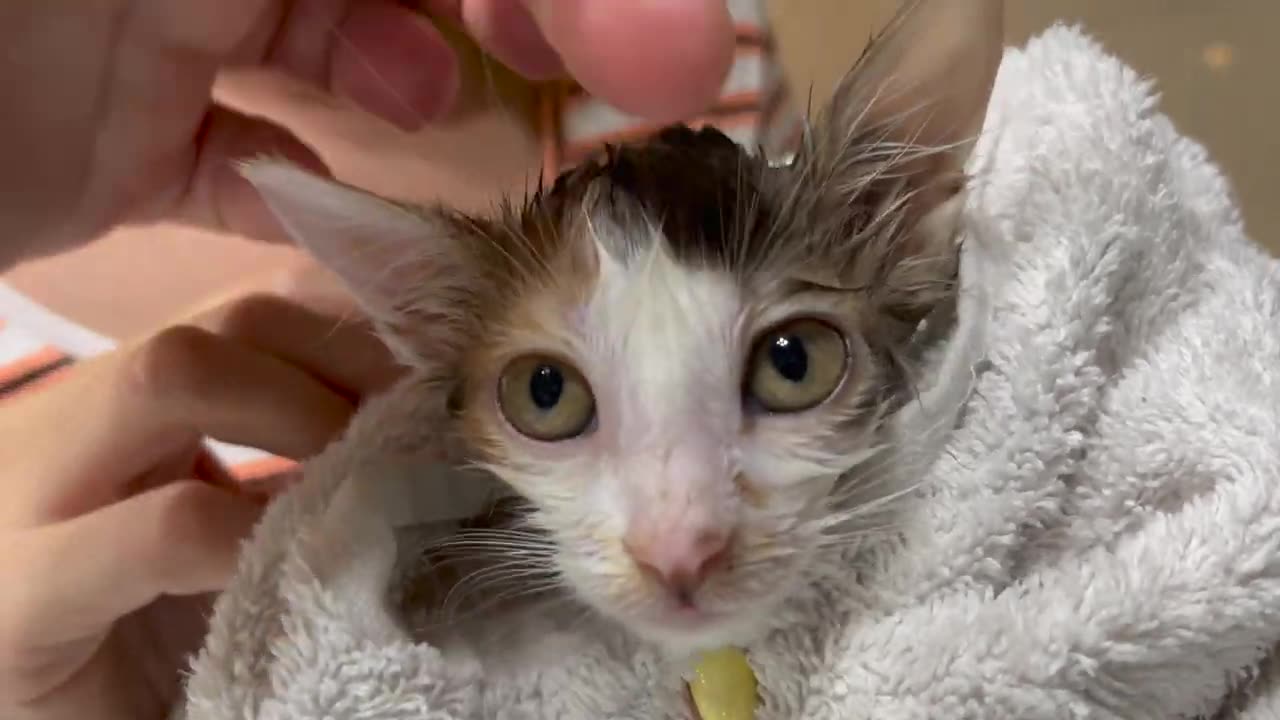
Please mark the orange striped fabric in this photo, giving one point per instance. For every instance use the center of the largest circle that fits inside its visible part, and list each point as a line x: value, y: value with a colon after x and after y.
x: 26, y: 358
x: 22, y: 372
x: 29, y: 364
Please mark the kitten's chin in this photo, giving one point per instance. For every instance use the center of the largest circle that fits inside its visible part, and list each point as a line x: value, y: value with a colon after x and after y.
x: 691, y: 631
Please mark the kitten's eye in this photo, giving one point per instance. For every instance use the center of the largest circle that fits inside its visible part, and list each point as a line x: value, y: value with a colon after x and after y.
x: 796, y: 366
x: 545, y: 399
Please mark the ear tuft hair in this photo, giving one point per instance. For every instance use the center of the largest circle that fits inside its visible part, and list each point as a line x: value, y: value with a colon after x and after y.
x: 409, y: 268
x: 878, y: 182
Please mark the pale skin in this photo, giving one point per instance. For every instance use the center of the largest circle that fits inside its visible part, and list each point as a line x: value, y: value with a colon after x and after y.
x: 116, y: 124
x: 113, y: 526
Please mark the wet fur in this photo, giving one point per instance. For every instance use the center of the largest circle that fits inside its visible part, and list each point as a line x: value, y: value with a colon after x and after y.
x: 653, y: 268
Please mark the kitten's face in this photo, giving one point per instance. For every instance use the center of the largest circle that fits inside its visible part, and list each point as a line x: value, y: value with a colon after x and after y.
x: 682, y: 374
x: 678, y: 428
x: 687, y: 360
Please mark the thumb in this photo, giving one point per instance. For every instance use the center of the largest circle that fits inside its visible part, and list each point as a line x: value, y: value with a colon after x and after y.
x: 72, y: 580
x: 661, y: 59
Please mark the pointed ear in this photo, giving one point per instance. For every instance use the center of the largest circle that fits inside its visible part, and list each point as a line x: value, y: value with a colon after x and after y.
x: 408, y: 268
x: 925, y: 80
x: 883, y: 163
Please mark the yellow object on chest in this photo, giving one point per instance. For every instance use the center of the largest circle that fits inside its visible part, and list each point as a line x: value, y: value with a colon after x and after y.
x: 723, y: 686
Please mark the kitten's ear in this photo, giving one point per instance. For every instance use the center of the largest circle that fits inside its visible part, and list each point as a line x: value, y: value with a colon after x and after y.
x: 925, y: 80
x: 408, y: 268
x: 891, y: 144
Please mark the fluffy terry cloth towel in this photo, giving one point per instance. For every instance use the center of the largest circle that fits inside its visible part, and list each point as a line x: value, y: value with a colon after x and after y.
x: 1099, y: 536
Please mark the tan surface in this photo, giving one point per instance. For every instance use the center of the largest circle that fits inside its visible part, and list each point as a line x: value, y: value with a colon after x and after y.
x: 1213, y: 61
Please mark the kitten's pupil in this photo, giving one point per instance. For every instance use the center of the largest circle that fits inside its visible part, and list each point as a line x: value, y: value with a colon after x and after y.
x: 546, y: 385
x: 789, y: 357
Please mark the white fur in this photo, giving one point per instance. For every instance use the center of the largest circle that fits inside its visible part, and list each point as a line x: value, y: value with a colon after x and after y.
x: 362, y: 236
x: 663, y: 346
x: 1098, y: 537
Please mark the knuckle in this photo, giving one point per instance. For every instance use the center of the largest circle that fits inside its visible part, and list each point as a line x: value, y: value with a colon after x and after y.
x: 174, y: 361
x: 12, y: 630
x: 182, y: 527
x: 18, y: 629
x: 250, y: 316
x: 181, y: 510
x: 176, y: 522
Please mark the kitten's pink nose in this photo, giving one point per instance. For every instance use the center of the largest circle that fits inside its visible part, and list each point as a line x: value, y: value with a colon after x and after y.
x: 680, y: 560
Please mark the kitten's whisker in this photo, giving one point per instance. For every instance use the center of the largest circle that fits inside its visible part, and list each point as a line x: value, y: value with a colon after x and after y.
x: 527, y: 533
x: 470, y: 587
x: 475, y: 577
x: 446, y: 616
x: 517, y: 539
x: 518, y: 547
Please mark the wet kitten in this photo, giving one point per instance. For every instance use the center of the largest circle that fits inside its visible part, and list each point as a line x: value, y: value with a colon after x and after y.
x: 689, y: 362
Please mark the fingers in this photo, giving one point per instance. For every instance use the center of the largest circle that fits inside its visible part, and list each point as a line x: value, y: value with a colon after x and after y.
x: 387, y: 58
x: 662, y: 59
x: 60, y: 586
x: 189, y: 380
x: 394, y: 63
x: 217, y: 196
x: 136, y: 408
x: 665, y: 59
x: 338, y: 348
x: 307, y: 317
x: 508, y: 30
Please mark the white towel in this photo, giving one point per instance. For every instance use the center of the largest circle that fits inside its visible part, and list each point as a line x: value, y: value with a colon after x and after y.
x: 1099, y: 538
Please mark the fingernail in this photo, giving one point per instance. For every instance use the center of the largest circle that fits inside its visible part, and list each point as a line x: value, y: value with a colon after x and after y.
x: 518, y: 39
x: 396, y: 65
x: 540, y: 10
x: 272, y: 485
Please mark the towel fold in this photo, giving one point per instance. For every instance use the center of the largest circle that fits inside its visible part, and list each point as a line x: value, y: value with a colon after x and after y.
x: 1099, y: 536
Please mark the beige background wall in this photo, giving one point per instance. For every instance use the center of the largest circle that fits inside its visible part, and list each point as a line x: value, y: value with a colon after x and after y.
x: 1216, y: 62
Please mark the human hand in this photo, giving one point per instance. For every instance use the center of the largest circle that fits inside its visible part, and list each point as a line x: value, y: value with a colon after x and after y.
x: 110, y: 542
x: 109, y: 118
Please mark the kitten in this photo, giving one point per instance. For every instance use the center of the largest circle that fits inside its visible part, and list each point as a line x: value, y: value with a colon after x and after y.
x: 689, y: 362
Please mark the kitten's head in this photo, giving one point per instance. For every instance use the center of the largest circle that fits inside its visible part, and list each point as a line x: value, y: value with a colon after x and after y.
x: 687, y: 360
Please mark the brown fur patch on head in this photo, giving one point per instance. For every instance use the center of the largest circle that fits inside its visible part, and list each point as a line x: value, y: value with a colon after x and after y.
x: 848, y: 214
x: 698, y: 188
x: 848, y: 227
x: 850, y: 217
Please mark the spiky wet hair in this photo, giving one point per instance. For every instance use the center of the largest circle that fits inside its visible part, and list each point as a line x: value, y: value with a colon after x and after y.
x: 845, y: 215
x: 867, y: 204
x: 688, y: 241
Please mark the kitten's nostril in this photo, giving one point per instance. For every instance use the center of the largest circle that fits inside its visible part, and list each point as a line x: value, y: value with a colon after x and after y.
x: 681, y: 562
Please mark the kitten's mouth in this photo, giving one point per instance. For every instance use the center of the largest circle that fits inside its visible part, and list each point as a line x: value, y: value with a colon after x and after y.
x: 694, y: 614
x: 692, y: 629
x: 444, y: 588
x: 692, y: 617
